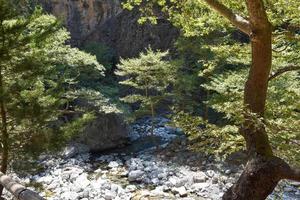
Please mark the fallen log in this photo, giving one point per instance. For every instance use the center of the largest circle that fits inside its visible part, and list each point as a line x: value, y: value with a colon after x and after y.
x: 17, y: 190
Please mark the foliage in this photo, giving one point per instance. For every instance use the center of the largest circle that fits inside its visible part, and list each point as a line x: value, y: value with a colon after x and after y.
x: 281, y: 112
x: 225, y: 72
x: 207, y: 137
x: 149, y: 75
x: 195, y: 18
x: 187, y: 91
x: 38, y: 71
x: 105, y: 55
x: 108, y: 86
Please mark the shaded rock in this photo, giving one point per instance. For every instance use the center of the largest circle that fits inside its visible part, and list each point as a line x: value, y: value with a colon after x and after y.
x: 107, y: 131
x: 74, y: 149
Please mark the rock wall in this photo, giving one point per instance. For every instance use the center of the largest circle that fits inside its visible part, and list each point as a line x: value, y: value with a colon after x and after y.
x: 105, y: 21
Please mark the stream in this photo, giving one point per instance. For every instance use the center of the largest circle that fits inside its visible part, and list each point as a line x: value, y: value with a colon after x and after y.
x: 158, y: 166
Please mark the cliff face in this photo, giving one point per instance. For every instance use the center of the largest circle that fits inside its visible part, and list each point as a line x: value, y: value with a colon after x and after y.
x: 105, y: 21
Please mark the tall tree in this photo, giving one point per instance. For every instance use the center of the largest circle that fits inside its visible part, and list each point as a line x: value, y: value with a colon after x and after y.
x: 150, y: 76
x: 261, y: 21
x: 36, y: 65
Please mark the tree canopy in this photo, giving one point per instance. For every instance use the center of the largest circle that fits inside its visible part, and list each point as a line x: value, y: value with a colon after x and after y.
x: 271, y: 41
x: 37, y: 71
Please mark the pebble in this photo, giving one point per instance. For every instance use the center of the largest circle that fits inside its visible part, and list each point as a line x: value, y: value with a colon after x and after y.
x: 108, y: 177
x: 135, y: 175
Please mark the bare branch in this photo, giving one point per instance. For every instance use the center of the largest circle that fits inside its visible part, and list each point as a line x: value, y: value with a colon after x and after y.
x: 283, y: 70
x: 237, y: 20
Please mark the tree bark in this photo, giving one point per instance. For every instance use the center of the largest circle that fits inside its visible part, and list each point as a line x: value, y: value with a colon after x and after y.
x: 260, y: 175
x: 237, y: 20
x: 263, y: 170
x: 152, y: 118
x: 258, y: 179
x: 4, y: 136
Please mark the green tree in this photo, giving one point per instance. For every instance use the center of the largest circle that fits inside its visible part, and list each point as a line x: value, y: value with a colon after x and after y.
x: 267, y: 24
x: 104, y: 54
x: 37, y: 69
x: 150, y: 75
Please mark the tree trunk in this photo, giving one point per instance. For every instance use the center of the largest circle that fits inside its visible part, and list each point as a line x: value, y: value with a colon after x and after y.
x: 263, y: 170
x: 260, y: 175
x: 258, y: 179
x: 152, y: 119
x: 4, y: 136
x: 4, y: 155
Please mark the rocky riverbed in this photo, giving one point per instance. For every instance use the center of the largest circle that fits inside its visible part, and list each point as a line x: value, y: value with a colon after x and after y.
x: 155, y: 166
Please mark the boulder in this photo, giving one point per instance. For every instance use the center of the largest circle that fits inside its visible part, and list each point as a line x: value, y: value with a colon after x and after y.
x: 107, y: 131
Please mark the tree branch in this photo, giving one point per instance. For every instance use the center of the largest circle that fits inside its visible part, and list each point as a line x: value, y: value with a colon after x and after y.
x: 237, y: 20
x: 284, y: 170
x: 292, y: 174
x: 283, y: 70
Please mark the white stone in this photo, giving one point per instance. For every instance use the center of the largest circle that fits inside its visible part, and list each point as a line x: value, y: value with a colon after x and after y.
x: 228, y: 171
x: 180, y: 190
x: 210, y: 173
x: 46, y: 179
x: 173, y: 181
x: 82, y: 181
x: 135, y: 175
x: 130, y: 188
x: 113, y: 164
x: 199, y: 177
x: 199, y: 186
x: 69, y: 196
x: 109, y: 195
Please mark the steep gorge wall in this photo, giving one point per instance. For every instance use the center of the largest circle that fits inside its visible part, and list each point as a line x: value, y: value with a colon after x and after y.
x: 105, y: 21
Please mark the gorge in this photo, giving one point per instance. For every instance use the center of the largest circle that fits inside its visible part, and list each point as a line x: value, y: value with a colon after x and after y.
x: 201, y: 105
x: 104, y: 21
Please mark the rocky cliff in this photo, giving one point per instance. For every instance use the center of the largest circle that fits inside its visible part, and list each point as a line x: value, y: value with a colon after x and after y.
x: 105, y: 21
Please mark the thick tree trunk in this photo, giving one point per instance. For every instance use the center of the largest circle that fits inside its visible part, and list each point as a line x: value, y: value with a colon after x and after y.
x: 263, y: 170
x: 260, y: 176
x: 4, y: 155
x: 258, y: 179
x: 4, y: 136
x: 257, y: 84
